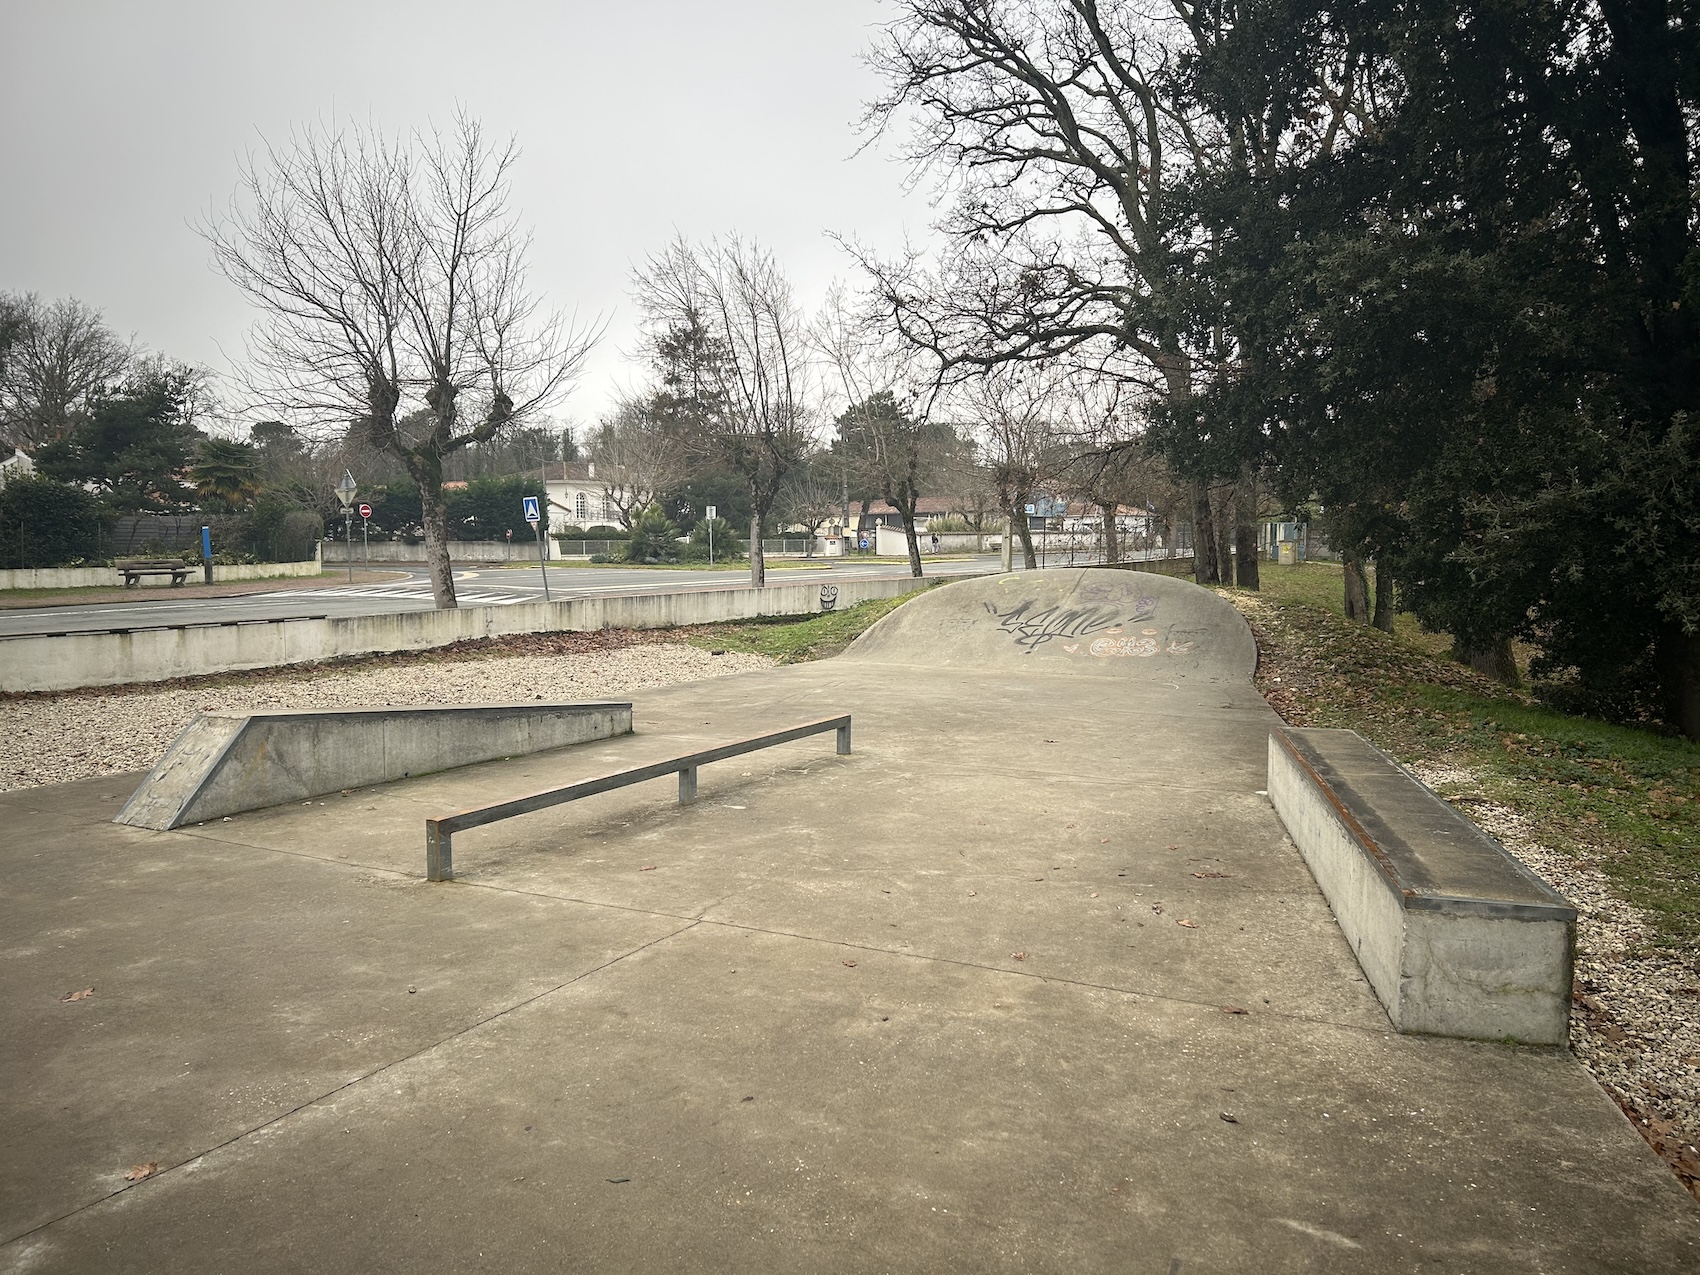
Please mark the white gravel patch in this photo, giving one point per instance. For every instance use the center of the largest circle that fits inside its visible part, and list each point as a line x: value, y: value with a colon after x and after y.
x: 1635, y: 1014
x: 86, y: 733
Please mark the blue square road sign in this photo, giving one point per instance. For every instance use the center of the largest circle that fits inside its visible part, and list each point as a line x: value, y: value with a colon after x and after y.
x: 531, y: 511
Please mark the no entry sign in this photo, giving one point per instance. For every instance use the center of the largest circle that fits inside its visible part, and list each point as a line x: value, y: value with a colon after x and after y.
x: 365, y: 511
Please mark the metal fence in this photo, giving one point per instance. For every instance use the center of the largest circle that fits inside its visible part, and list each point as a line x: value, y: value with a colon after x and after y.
x: 590, y: 548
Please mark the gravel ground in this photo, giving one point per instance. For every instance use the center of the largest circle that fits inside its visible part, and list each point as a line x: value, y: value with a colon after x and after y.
x: 53, y: 739
x: 1635, y: 1011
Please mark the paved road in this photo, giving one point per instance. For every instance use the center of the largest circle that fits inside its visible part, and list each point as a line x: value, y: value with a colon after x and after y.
x: 486, y: 586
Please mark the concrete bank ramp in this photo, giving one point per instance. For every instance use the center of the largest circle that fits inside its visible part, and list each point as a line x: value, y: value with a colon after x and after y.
x: 225, y: 763
x: 1086, y: 622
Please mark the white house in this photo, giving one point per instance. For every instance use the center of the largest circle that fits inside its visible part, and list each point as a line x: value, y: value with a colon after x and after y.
x: 576, y: 498
x: 17, y: 465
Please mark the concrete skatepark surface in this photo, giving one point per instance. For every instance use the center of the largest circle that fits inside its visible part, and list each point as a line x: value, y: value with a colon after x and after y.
x: 929, y: 1007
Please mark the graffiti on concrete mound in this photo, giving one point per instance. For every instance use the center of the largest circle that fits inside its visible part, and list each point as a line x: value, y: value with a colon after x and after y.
x: 1032, y: 627
x: 1146, y: 643
x: 1143, y: 645
x: 828, y: 597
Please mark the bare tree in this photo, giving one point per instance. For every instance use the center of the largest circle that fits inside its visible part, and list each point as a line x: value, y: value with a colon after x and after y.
x: 729, y: 303
x: 58, y: 356
x: 1013, y: 410
x: 1066, y: 131
x: 390, y: 276
x: 812, y: 495
x: 885, y: 431
x: 636, y: 458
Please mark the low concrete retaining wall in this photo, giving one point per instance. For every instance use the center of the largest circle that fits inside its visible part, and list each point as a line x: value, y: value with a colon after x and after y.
x: 1456, y: 937
x: 225, y: 763
x: 1179, y: 567
x: 337, y: 553
x: 109, y: 577
x: 49, y: 663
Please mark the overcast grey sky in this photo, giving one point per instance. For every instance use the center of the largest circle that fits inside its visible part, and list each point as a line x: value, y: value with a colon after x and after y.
x: 125, y: 120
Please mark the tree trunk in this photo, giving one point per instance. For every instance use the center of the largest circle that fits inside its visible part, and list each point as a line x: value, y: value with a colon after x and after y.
x: 914, y: 544
x: 1383, y: 597
x: 1492, y: 658
x: 1204, y: 567
x: 434, y: 515
x: 758, y: 560
x: 1676, y: 656
x: 1112, y: 551
x: 1357, y: 590
x: 1025, y: 531
x: 1245, y: 530
x: 1221, y: 525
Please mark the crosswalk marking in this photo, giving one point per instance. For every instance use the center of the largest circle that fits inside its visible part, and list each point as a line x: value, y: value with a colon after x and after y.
x: 413, y: 595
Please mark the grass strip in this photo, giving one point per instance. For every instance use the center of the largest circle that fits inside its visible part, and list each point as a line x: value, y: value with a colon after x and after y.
x: 788, y: 640
x: 1623, y: 799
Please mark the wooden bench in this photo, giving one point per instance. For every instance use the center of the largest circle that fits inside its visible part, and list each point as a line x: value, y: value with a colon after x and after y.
x: 1456, y: 937
x: 133, y: 569
x: 439, y: 833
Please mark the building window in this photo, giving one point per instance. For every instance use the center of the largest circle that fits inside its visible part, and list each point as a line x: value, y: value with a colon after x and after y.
x: 581, y: 508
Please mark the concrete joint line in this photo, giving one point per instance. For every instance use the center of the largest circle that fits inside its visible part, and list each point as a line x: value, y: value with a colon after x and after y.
x: 349, y: 1084
x: 1043, y: 978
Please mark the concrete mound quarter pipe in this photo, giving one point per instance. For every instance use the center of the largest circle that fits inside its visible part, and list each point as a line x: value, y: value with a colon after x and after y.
x: 1091, y: 623
x: 1031, y: 981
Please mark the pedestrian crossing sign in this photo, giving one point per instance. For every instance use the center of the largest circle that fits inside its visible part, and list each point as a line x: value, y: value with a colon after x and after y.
x: 531, y: 512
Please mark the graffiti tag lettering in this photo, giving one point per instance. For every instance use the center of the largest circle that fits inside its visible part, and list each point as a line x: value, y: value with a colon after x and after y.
x: 1031, y: 629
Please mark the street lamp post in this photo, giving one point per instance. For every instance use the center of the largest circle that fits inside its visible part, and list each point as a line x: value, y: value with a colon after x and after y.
x: 345, y: 489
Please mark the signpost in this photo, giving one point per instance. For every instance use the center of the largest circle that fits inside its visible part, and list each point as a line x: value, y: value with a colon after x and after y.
x: 345, y: 489
x: 710, y: 515
x: 365, y: 512
x: 534, y: 515
x: 206, y: 552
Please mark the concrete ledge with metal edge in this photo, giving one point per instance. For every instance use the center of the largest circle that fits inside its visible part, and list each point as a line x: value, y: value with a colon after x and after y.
x: 1456, y: 937
x: 439, y: 833
x: 226, y: 763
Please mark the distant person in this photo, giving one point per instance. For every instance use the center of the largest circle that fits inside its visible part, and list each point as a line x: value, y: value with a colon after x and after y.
x: 935, y: 542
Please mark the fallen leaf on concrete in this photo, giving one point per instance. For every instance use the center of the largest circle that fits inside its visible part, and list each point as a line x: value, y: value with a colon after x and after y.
x: 1174, y: 847
x: 1103, y: 841
x: 749, y: 1097
x: 849, y: 965
x: 139, y: 1171
x: 1205, y: 876
x: 650, y: 868
x: 1228, y: 1118
x: 1018, y: 956
x: 83, y: 995
x: 1068, y: 825
x: 970, y: 894
x: 1191, y: 925
x: 1094, y: 894
x: 1232, y: 1009
x: 617, y: 1181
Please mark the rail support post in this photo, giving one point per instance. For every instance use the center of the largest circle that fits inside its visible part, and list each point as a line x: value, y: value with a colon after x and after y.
x: 439, y: 853
x: 687, y: 785
x: 844, y: 739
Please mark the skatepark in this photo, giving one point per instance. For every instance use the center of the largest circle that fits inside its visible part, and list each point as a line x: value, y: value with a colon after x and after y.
x: 1032, y: 978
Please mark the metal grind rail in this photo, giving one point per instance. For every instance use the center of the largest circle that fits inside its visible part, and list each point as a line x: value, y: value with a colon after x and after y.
x: 439, y: 833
